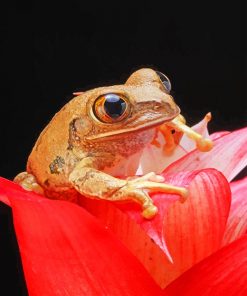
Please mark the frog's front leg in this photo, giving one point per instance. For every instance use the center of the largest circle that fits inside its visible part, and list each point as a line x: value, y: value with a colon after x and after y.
x: 96, y: 184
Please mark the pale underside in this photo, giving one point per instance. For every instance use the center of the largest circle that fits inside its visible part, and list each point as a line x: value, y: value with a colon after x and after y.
x: 153, y: 158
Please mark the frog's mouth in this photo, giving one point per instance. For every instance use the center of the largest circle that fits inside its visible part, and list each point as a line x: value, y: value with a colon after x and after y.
x: 111, y: 134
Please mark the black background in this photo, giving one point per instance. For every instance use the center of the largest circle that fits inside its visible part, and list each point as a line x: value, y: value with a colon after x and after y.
x: 51, y: 50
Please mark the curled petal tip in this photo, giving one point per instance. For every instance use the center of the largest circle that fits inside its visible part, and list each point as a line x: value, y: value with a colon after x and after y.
x: 208, y: 116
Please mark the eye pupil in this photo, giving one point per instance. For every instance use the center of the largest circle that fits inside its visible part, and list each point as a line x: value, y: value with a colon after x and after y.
x: 111, y: 108
x: 114, y: 105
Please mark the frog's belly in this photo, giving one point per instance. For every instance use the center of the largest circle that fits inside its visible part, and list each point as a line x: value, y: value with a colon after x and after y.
x: 125, y: 167
x: 128, y: 153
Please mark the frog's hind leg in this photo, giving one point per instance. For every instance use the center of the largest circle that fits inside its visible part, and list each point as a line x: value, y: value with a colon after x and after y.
x: 203, y: 144
x: 170, y: 141
x: 28, y: 182
x: 173, y: 131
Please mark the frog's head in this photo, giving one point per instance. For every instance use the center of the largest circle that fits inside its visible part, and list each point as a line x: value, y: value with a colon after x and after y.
x: 142, y: 103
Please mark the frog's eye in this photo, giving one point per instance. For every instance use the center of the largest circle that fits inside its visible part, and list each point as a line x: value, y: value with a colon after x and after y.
x: 165, y: 81
x: 111, y: 108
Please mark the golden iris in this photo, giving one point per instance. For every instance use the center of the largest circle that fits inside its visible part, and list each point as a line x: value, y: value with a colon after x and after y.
x: 111, y: 107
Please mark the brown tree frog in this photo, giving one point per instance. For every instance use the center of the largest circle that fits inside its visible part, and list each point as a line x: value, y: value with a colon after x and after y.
x: 87, y: 144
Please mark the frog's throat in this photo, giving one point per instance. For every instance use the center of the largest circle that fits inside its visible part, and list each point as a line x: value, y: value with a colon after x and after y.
x: 127, y: 130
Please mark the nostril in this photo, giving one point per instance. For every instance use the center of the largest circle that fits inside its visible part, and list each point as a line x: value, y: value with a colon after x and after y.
x: 157, y: 107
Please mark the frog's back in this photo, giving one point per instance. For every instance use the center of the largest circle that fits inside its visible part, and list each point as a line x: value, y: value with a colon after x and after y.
x: 50, y: 156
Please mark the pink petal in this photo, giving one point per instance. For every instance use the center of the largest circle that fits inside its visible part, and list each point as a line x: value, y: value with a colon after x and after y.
x: 202, y: 126
x: 217, y: 135
x: 154, y: 159
x: 229, y: 155
x: 65, y: 251
x: 223, y: 273
x: 237, y: 220
x: 190, y: 231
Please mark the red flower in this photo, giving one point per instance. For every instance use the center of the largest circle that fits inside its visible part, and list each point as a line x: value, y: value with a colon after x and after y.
x: 195, y: 248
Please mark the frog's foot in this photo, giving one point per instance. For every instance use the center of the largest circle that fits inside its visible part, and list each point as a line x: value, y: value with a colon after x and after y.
x: 96, y: 184
x: 28, y: 182
x: 172, y: 132
x: 136, y: 190
x: 203, y: 144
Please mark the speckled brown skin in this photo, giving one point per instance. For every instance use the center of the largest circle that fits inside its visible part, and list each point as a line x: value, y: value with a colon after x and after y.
x: 76, y: 152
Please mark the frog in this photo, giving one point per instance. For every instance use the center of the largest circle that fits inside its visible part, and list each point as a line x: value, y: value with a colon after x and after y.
x: 86, y: 145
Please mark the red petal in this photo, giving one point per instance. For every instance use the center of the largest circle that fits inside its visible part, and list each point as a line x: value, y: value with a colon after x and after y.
x: 195, y: 229
x: 223, y: 273
x: 65, y: 251
x: 229, y: 155
x: 237, y: 220
x: 144, y: 247
x: 7, y: 187
x: 192, y: 230
x: 4, y: 197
